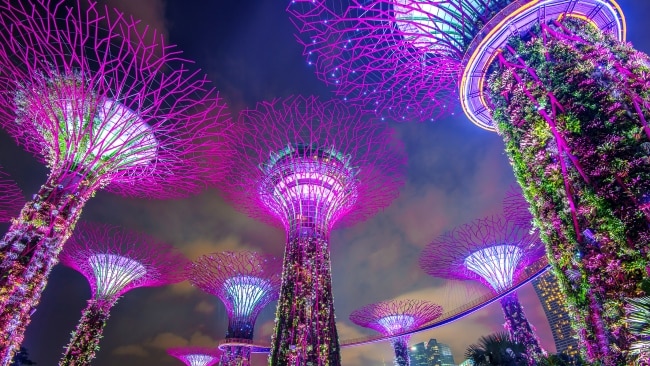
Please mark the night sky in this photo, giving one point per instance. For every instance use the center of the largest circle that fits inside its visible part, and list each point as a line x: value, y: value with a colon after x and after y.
x: 456, y: 173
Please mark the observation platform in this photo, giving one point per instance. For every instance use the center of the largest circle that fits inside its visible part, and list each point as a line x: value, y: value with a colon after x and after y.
x: 531, y: 272
x: 515, y: 20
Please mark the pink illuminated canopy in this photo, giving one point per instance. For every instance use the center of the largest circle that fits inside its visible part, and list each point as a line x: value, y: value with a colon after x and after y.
x: 308, y: 164
x: 116, y: 260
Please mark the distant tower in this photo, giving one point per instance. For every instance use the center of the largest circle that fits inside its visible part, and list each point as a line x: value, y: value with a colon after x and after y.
x: 396, y: 317
x: 431, y: 353
x: 114, y: 261
x: 196, y: 356
x: 546, y: 285
x: 554, y: 304
x: 566, y: 93
x: 102, y: 107
x: 309, y: 165
x: 245, y: 282
x: 493, y: 251
x: 11, y: 198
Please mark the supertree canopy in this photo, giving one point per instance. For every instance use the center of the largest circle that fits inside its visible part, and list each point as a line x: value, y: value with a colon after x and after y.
x: 114, y: 261
x: 569, y: 97
x: 11, y: 198
x: 104, y: 106
x: 196, y: 356
x: 245, y: 282
x: 493, y: 251
x: 395, y: 317
x: 309, y: 165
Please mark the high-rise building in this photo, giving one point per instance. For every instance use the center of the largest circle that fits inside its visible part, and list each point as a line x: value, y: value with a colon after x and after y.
x: 431, y: 353
x: 554, y: 304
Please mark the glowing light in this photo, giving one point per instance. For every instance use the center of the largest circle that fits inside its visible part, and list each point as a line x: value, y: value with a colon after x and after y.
x: 245, y: 292
x: 396, y: 323
x: 116, y: 131
x: 199, y: 360
x: 114, y: 272
x: 496, y: 264
x: 309, y: 186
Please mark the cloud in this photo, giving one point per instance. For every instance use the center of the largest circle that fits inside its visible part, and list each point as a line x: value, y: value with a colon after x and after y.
x: 202, y: 340
x: 204, y: 307
x: 131, y: 350
x: 167, y: 340
x: 201, y: 246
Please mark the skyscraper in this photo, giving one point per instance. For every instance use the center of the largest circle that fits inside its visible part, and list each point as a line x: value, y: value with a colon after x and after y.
x: 554, y: 304
x: 431, y: 353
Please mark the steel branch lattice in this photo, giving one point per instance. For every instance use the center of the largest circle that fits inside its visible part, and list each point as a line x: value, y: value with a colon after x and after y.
x: 304, y: 163
x: 394, y: 317
x: 492, y: 250
x: 115, y: 261
x: 397, y: 316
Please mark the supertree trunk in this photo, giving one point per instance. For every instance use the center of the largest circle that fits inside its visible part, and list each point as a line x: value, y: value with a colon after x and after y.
x: 401, y: 348
x: 572, y: 105
x: 305, y: 331
x: 30, y: 249
x: 85, y: 339
x: 519, y: 328
x: 240, y: 328
x: 236, y: 356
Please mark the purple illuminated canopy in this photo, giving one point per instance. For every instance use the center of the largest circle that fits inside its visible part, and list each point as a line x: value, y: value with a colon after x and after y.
x: 244, y: 281
x: 492, y: 250
x: 305, y: 163
x: 396, y: 316
x: 387, y: 55
x: 196, y: 356
x: 116, y: 260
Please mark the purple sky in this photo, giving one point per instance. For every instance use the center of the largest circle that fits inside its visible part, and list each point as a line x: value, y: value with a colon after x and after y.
x: 456, y: 173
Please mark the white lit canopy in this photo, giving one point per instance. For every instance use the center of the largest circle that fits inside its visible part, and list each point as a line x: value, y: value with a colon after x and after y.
x: 245, y: 292
x: 394, y: 324
x: 495, y: 264
x: 114, y: 272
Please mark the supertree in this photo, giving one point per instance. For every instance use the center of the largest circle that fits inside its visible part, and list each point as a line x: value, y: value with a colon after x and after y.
x: 570, y: 99
x: 11, y: 198
x: 307, y: 165
x: 245, y: 282
x: 114, y: 261
x: 493, y: 251
x: 196, y: 356
x: 104, y: 106
x: 395, y: 317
